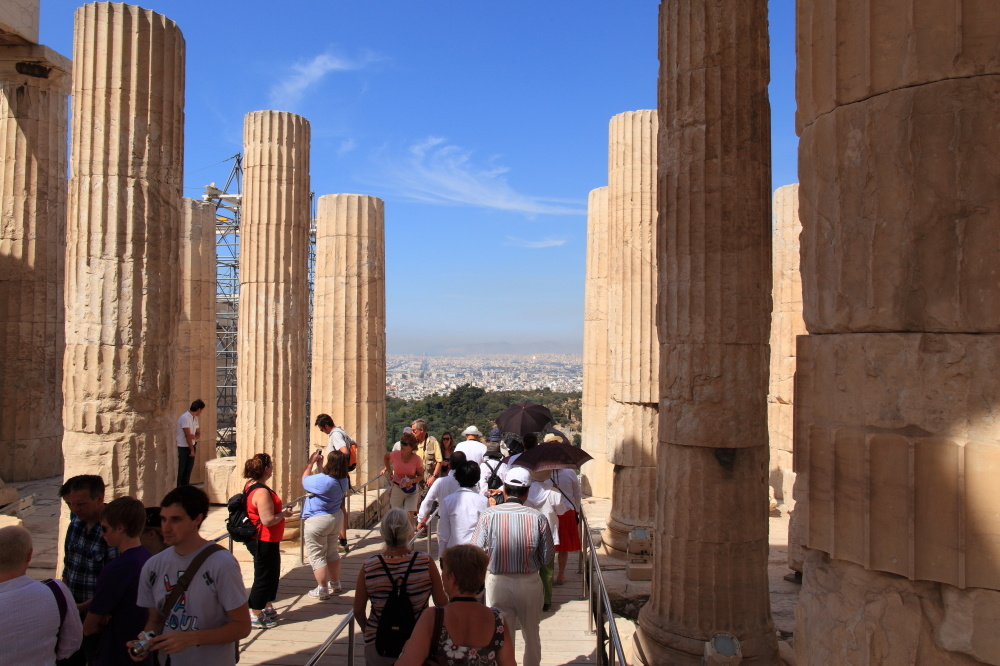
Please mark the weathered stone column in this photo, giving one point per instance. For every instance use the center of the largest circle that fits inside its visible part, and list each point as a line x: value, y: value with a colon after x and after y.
x: 348, y: 346
x: 714, y: 312
x: 632, y: 344
x: 34, y: 85
x: 786, y: 324
x: 598, y: 475
x: 274, y: 296
x: 896, y: 432
x: 122, y: 273
x: 195, y: 376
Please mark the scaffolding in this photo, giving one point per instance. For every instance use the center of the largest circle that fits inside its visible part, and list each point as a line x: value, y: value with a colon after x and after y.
x: 227, y: 296
x: 228, y: 202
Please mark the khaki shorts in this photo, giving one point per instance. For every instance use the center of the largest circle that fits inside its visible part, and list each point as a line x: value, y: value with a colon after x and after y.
x: 406, y: 501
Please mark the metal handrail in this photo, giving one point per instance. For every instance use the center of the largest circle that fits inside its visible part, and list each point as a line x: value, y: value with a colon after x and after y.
x: 602, y: 609
x: 224, y: 535
x: 348, y: 621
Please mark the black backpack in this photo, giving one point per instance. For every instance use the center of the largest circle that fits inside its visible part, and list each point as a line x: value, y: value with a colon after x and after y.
x: 397, y: 620
x: 494, y: 481
x: 238, y: 524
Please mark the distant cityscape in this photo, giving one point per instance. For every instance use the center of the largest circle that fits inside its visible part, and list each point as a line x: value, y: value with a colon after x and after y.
x: 414, y: 377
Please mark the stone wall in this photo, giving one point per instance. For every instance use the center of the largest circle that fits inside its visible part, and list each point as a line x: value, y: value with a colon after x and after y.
x: 33, y: 190
x: 786, y: 324
x: 195, y: 377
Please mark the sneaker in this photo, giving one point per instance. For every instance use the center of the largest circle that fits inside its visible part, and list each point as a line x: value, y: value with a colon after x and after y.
x: 270, y: 611
x: 319, y: 592
x: 262, y: 621
x: 333, y: 585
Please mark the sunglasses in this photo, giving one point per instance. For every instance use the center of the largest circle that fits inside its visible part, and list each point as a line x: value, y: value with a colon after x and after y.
x: 446, y: 439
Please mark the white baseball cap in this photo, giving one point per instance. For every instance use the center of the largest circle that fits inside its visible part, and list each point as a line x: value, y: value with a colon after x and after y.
x: 518, y: 477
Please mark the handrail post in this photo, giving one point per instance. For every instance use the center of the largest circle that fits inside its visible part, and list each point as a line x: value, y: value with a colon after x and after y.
x: 350, y: 644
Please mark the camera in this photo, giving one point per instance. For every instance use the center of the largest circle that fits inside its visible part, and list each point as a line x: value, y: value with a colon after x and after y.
x: 140, y: 648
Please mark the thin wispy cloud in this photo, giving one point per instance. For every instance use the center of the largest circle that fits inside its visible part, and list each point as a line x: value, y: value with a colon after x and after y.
x: 437, y: 172
x: 304, y: 75
x: 346, y: 146
x: 536, y: 245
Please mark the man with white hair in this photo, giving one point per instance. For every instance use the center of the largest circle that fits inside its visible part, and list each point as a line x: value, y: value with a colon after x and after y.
x: 42, y: 624
x: 473, y: 446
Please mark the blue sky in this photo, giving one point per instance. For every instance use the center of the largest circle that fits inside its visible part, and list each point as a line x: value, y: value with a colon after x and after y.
x: 482, y: 125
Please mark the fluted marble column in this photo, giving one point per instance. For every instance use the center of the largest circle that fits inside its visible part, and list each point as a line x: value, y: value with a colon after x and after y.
x: 195, y: 377
x: 896, y: 432
x: 348, y: 346
x: 122, y: 267
x: 598, y: 474
x: 714, y: 311
x: 34, y: 85
x: 274, y: 295
x: 632, y: 343
x: 786, y: 324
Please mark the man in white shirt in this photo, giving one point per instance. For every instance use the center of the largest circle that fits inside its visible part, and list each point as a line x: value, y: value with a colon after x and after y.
x: 473, y: 446
x: 188, y: 432
x: 459, y: 513
x: 37, y: 629
x: 444, y: 487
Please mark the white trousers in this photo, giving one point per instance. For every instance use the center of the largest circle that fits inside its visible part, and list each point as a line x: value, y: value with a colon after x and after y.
x: 519, y: 598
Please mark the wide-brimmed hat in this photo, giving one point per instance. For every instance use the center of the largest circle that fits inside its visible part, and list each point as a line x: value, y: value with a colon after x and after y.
x: 519, y: 477
x: 472, y: 430
x: 552, y: 437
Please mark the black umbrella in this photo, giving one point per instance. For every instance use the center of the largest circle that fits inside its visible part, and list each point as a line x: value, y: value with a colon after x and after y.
x: 553, y: 455
x: 524, y: 417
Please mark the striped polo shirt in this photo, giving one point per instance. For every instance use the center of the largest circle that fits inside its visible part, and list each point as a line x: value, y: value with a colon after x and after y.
x: 518, y: 539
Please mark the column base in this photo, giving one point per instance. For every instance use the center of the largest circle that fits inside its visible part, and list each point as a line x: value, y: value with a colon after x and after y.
x: 668, y: 649
x: 615, y: 535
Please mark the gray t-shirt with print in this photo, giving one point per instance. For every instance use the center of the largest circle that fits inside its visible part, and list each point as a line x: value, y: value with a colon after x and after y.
x: 216, y: 588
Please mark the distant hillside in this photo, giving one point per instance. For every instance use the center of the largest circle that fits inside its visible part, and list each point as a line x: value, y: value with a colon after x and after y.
x: 470, y: 405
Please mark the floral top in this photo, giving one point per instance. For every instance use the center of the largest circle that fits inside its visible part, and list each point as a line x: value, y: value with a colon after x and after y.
x: 449, y: 654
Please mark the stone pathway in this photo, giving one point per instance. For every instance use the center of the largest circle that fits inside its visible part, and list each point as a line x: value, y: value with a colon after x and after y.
x: 304, y: 622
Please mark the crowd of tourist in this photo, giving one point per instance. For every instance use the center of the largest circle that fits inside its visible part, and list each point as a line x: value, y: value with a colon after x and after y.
x: 142, y: 585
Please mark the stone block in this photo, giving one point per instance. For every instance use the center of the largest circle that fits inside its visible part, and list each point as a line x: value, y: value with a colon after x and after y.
x: 851, y: 50
x: 897, y: 439
x: 19, y: 21
x: 8, y: 494
x: 900, y: 201
x: 714, y: 395
x: 219, y: 473
x: 632, y: 434
x: 849, y: 615
x: 633, y: 504
x: 8, y: 521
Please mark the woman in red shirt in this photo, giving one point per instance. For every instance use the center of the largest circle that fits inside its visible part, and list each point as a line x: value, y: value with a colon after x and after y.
x: 264, y: 509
